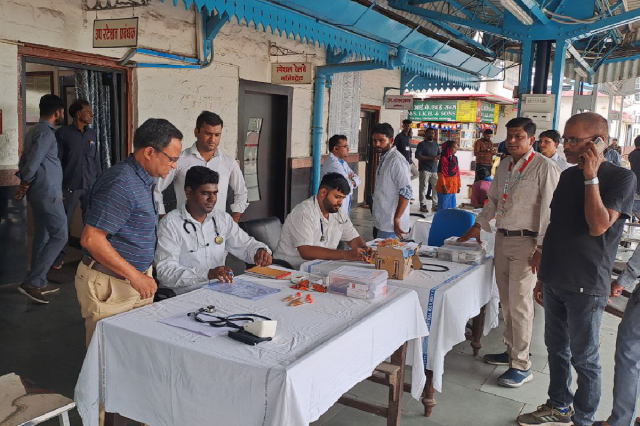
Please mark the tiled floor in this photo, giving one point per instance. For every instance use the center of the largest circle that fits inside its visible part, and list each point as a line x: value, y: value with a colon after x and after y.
x: 46, y: 344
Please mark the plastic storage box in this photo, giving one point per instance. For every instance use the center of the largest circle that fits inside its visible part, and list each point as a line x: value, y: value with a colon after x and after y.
x: 361, y: 283
x: 462, y: 254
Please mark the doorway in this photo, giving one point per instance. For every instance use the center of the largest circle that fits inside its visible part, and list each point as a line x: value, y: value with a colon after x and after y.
x: 264, y: 144
x: 369, y: 117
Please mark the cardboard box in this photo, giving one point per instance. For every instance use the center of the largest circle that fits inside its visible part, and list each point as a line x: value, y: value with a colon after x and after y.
x: 396, y: 261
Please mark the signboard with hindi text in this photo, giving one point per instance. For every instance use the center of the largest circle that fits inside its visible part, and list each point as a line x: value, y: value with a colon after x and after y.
x: 115, y: 32
x: 398, y: 102
x: 291, y: 72
x: 462, y: 111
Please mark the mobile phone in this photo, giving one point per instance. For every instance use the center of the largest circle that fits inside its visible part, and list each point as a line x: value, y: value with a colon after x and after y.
x: 600, y: 147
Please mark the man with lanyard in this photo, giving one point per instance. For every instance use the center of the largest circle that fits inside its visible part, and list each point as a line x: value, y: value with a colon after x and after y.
x: 483, y: 150
x: 520, y: 196
x: 549, y: 141
x: 402, y: 141
x: 194, y: 238
x: 428, y: 155
x: 81, y: 166
x: 336, y: 162
x: 41, y: 175
x: 393, y: 191
x: 119, y: 237
x: 315, y: 227
x: 588, y: 211
x: 205, y: 152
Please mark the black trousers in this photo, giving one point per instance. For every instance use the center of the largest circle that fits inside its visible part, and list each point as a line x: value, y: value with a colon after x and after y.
x: 70, y: 198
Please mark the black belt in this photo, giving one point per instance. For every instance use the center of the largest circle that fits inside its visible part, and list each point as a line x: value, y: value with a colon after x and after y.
x: 100, y: 268
x: 523, y: 233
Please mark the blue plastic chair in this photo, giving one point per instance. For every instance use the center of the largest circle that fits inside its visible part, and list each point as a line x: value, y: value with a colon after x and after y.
x: 449, y: 223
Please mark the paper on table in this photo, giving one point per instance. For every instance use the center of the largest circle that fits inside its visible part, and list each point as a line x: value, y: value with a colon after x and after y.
x: 244, y: 289
x: 188, y: 323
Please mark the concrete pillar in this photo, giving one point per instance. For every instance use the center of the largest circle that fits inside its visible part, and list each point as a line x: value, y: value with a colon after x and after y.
x: 558, y: 77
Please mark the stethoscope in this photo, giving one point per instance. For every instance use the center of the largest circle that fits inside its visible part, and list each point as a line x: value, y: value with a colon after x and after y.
x: 227, y: 321
x: 341, y: 221
x: 218, y: 239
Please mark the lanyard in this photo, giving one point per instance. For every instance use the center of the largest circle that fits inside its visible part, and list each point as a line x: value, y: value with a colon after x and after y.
x: 507, y: 187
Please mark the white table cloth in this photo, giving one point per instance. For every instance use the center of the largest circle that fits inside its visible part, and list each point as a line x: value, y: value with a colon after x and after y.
x: 448, y: 299
x: 162, y: 375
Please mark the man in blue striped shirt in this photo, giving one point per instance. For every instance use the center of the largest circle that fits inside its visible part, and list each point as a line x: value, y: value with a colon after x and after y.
x: 120, y: 234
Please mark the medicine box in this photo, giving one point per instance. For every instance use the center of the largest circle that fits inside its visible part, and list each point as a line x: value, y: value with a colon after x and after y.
x: 461, y: 254
x: 398, y: 261
x: 358, y: 282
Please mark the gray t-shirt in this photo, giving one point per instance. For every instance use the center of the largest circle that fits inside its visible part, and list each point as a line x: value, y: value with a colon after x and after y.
x: 428, y: 149
x: 572, y: 259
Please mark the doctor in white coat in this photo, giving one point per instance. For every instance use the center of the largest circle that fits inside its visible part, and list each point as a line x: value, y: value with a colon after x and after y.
x: 336, y: 162
x: 193, y: 239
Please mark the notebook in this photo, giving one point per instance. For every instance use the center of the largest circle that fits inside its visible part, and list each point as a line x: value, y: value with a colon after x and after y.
x: 266, y: 272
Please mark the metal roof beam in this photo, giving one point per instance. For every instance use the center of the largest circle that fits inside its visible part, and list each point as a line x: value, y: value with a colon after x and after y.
x: 432, y: 15
x: 535, y: 9
x: 604, y: 24
x: 455, y: 32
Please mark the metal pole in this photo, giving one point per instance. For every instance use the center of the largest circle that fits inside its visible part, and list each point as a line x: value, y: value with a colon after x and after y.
x: 525, y: 71
x: 609, y: 114
x: 558, y: 77
x: 316, y: 130
x: 543, y: 60
x: 576, y: 93
x: 620, y: 120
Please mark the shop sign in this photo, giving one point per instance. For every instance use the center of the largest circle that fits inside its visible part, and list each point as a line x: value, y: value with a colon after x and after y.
x: 115, y: 32
x: 398, y: 102
x: 489, y: 113
x: 464, y: 111
x: 291, y: 73
x: 433, y: 110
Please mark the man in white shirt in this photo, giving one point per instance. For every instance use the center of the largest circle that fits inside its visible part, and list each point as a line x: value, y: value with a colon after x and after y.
x: 315, y: 227
x: 205, y: 152
x: 194, y: 238
x: 549, y: 141
x: 393, y: 191
x: 336, y: 162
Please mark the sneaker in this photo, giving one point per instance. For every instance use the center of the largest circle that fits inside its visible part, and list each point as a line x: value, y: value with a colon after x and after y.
x: 514, y: 378
x: 546, y: 415
x: 33, y: 293
x: 57, y: 267
x: 424, y: 208
x: 49, y: 288
x: 497, y: 359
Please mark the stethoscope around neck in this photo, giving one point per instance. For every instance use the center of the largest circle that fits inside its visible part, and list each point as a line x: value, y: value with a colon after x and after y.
x: 341, y: 221
x: 218, y: 239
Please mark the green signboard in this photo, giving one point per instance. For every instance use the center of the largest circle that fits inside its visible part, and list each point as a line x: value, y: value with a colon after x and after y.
x: 433, y: 110
x: 487, y: 112
x: 463, y: 111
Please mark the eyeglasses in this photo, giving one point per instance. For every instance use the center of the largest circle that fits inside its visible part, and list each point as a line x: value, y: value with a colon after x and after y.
x: 575, y: 141
x: 171, y: 159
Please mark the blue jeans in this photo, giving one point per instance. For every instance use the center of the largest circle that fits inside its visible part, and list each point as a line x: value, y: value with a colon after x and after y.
x: 626, y: 387
x: 572, y: 334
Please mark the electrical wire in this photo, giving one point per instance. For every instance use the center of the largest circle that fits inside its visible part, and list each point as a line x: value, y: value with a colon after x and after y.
x: 570, y: 19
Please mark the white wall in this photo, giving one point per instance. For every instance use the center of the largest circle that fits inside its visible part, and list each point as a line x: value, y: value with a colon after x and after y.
x: 373, y: 84
x: 178, y: 95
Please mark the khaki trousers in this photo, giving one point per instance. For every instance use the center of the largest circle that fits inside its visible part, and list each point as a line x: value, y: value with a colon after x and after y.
x: 102, y: 296
x: 515, y: 285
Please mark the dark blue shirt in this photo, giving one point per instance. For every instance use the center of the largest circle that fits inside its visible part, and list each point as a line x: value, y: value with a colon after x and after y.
x: 39, y: 163
x: 78, y: 152
x: 122, y: 205
x: 402, y: 143
x: 428, y: 149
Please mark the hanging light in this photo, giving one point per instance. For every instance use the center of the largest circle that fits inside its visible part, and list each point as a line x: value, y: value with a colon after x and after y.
x: 517, y: 11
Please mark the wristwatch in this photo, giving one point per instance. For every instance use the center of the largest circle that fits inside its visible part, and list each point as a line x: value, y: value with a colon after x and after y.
x: 593, y: 181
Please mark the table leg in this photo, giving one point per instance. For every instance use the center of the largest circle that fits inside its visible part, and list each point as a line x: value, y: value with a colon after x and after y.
x: 477, y: 329
x: 399, y: 357
x: 428, y: 395
x: 63, y: 418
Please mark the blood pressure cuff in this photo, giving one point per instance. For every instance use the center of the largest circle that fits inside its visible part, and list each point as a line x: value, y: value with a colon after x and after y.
x: 247, y: 338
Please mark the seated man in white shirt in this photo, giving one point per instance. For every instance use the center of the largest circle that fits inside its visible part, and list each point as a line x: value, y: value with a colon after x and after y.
x: 315, y: 227
x: 194, y: 238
